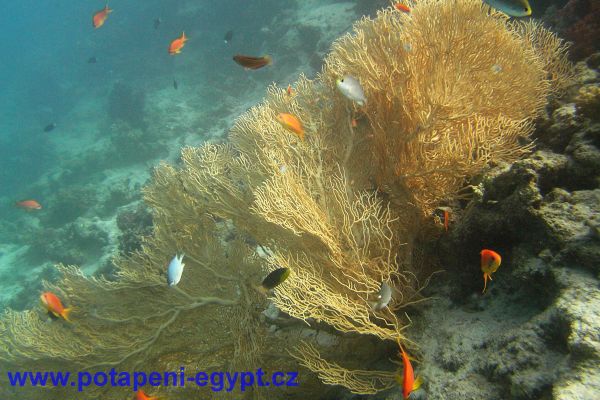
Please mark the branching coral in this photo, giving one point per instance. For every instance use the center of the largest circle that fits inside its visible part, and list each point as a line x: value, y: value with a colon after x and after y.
x: 450, y: 87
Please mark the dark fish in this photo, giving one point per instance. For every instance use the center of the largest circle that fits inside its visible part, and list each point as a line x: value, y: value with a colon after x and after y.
x: 50, y: 127
x: 228, y: 36
x: 252, y: 62
x: 275, y: 278
x: 92, y: 60
x: 175, y: 85
x: 157, y: 22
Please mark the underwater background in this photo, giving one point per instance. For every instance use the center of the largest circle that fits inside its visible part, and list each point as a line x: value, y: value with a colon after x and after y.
x: 87, y: 114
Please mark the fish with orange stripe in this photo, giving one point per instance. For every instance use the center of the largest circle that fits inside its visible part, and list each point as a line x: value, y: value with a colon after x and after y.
x: 143, y: 396
x: 407, y: 380
x: 291, y: 123
x: 177, y: 44
x: 54, y: 306
x: 100, y: 17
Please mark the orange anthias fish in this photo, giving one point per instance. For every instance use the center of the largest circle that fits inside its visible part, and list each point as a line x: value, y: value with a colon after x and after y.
x: 143, y: 396
x: 100, y: 17
x: 402, y: 7
x: 29, y: 205
x: 54, y: 305
x: 291, y: 123
x: 289, y: 90
x: 408, y: 382
x: 490, y: 261
x: 252, y: 62
x: 177, y: 44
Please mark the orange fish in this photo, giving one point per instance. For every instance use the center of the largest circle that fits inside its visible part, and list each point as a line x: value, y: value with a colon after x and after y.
x: 289, y: 90
x: 54, y: 305
x: 100, y: 17
x: 408, y: 382
x: 291, y: 123
x: 252, y: 62
x: 490, y: 262
x: 143, y: 396
x: 177, y: 44
x: 354, y: 123
x: 29, y: 205
x: 402, y: 7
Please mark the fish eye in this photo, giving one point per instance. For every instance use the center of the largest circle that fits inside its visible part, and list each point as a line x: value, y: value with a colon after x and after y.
x: 342, y: 80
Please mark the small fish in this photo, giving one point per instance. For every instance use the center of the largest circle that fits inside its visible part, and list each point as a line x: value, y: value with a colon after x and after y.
x: 289, y: 90
x: 354, y: 122
x: 29, y: 205
x: 175, y: 85
x: 490, y: 262
x: 383, y: 297
x: 275, y: 278
x: 291, y: 123
x: 252, y: 62
x: 100, y: 17
x: 175, y: 270
x: 50, y: 127
x: 514, y: 8
x: 350, y: 87
x: 402, y: 7
x: 408, y: 382
x: 444, y: 215
x: 228, y: 36
x: 53, y: 304
x: 92, y: 60
x: 177, y: 44
x: 143, y: 396
x: 157, y: 22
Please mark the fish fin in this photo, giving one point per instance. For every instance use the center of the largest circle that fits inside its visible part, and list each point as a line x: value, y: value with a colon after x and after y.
x: 183, y: 37
x: 417, y: 383
x: 269, y: 60
x: 65, y: 314
x: 485, y: 278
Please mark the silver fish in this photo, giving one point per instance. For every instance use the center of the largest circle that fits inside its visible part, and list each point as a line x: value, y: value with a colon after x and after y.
x: 514, y: 8
x: 384, y: 296
x: 350, y: 87
x: 175, y: 270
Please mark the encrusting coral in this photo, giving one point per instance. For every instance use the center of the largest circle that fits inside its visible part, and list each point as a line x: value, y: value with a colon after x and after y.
x: 449, y: 87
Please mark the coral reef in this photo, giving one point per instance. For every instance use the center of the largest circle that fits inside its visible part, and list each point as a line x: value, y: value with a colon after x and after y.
x: 130, y: 144
x: 77, y: 242
x: 451, y: 87
x: 67, y: 204
x: 127, y: 104
x: 134, y: 224
x: 534, y: 334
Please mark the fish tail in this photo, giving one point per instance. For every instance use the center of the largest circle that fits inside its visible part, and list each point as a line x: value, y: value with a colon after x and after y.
x: 65, y: 314
x: 269, y: 60
x: 485, y: 278
x: 417, y: 383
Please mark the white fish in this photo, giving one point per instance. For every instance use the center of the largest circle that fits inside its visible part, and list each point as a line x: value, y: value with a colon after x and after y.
x: 383, y: 297
x: 174, y: 270
x: 350, y: 87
